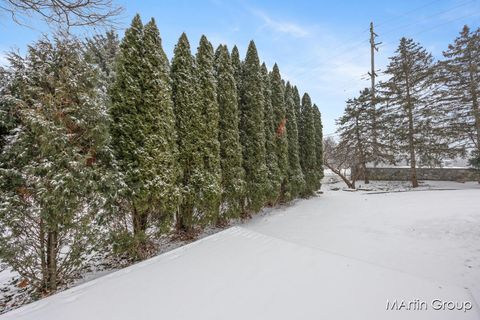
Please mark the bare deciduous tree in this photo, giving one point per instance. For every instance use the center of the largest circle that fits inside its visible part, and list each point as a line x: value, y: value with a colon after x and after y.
x: 63, y: 12
x: 339, y: 157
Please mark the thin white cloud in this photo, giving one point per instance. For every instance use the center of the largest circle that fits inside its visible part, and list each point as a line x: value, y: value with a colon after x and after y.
x: 281, y: 26
x: 330, y: 71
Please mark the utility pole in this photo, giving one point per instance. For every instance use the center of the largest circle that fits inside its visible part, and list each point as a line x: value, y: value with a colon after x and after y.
x: 373, y: 48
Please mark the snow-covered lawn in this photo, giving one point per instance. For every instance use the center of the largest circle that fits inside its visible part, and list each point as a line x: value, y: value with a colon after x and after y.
x: 341, y: 255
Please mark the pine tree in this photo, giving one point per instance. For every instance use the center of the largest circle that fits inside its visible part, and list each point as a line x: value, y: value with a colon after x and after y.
x: 461, y: 93
x: 7, y: 118
x: 295, y: 176
x: 208, y: 124
x: 354, y: 128
x: 101, y: 50
x: 233, y: 174
x: 318, y: 145
x: 272, y: 191
x: 189, y: 119
x: 417, y: 125
x: 280, y: 132
x: 308, y: 158
x: 252, y: 131
x: 54, y: 177
x: 143, y: 131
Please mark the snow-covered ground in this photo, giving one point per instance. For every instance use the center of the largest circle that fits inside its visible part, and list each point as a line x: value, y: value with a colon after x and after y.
x: 341, y: 255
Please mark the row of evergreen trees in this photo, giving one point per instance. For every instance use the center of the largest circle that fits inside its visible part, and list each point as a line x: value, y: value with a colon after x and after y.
x: 425, y: 112
x: 107, y: 145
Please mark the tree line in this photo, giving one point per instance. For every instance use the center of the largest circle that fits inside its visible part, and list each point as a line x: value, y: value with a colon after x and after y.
x: 106, y: 145
x: 425, y: 112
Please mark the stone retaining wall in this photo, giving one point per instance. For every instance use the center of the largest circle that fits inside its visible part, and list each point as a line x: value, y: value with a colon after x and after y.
x: 445, y: 174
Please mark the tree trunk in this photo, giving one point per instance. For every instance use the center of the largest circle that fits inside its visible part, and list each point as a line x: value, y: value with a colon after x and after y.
x: 140, y: 220
x: 413, y: 162
x: 184, y: 222
x: 349, y: 184
x: 411, y: 141
x: 475, y: 108
x: 51, y: 281
x: 476, y: 112
x: 363, y: 159
x: 281, y: 198
x: 43, y: 259
x: 365, y: 173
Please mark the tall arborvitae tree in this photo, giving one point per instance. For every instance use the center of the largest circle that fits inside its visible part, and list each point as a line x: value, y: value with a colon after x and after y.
x: 143, y: 132
x: 190, y: 129
x: 417, y: 124
x: 252, y: 131
x: 160, y: 144
x: 237, y: 69
x: 460, y: 73
x: 308, y: 155
x: 295, y: 176
x: 354, y: 128
x: 318, y: 144
x: 298, y: 109
x: 281, y: 134
x: 274, y: 177
x: 233, y: 174
x: 208, y: 125
x: 126, y: 96
x: 298, y: 114
x: 54, y: 177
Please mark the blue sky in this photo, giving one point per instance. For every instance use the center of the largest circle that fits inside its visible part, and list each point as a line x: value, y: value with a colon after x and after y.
x: 321, y: 46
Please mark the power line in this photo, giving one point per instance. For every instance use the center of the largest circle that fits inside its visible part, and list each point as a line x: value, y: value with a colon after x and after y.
x: 436, y: 26
x: 423, y: 31
x: 331, y: 134
x: 450, y: 21
x: 381, y: 23
x: 360, y: 43
x: 389, y: 31
x: 345, y: 62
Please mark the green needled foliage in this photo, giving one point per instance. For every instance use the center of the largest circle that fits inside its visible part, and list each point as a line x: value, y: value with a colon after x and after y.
x: 416, y: 126
x: 208, y: 132
x: 308, y: 159
x: 298, y: 109
x: 272, y: 191
x: 460, y: 72
x: 237, y: 69
x: 252, y: 133
x: 233, y: 174
x: 295, y: 175
x: 54, y: 177
x: 160, y: 154
x: 190, y: 130
x: 105, y: 146
x: 281, y: 132
x: 101, y: 50
x: 143, y: 129
x: 318, y: 145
